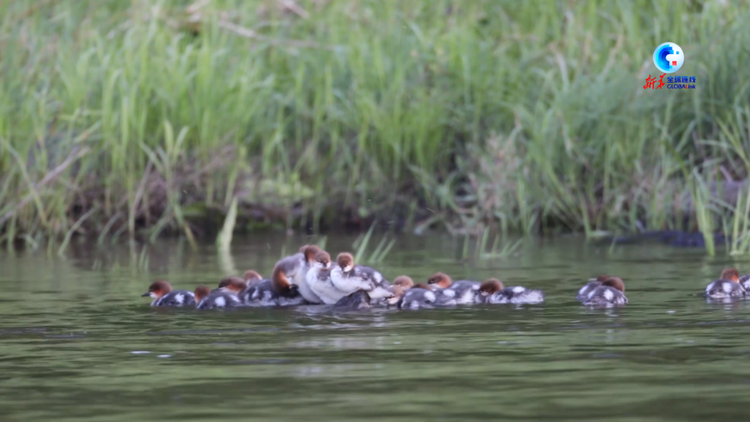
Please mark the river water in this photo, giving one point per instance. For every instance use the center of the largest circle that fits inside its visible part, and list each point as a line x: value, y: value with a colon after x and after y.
x: 78, y: 342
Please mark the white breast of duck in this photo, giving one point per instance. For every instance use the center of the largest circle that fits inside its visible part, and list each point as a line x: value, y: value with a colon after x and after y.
x: 348, y: 278
x: 308, y: 253
x: 729, y: 285
x: 319, y: 280
x: 605, y: 295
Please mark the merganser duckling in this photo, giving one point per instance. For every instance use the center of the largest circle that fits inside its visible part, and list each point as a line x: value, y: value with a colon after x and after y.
x: 319, y: 280
x: 408, y: 295
x: 610, y: 292
x: 232, y: 284
x: 493, y: 291
x: 162, y: 293
x: 464, y: 292
x: 215, y: 299
x: 277, y: 291
x: 356, y: 301
x: 592, y: 284
x: 349, y: 278
x: 728, y: 285
x: 252, y: 277
x: 400, y: 285
x: 292, y: 270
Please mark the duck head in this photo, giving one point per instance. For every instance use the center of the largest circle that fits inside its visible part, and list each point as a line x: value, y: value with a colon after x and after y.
x: 730, y: 274
x: 440, y: 280
x: 614, y: 282
x: 322, y: 260
x: 251, y: 276
x: 157, y: 289
x: 345, y: 260
x: 309, y: 252
x: 201, y: 292
x: 233, y: 284
x: 490, y: 286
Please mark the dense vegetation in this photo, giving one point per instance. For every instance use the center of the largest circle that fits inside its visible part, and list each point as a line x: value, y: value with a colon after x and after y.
x: 124, y: 117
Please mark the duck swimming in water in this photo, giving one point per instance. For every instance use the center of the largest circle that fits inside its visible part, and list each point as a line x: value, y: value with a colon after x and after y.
x: 252, y: 277
x: 417, y: 296
x: 493, y: 291
x: 610, y: 292
x: 207, y: 299
x: 592, y: 284
x: 348, y: 278
x: 277, y: 291
x: 727, y: 286
x: 163, y: 295
x: 463, y: 292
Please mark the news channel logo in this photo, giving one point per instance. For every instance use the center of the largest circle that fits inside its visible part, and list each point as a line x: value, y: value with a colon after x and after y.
x: 669, y: 58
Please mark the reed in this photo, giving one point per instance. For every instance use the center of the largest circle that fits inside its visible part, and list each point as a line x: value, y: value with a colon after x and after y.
x: 140, y: 118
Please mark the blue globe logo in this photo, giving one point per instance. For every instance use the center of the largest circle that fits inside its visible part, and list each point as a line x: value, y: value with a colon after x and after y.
x: 668, y: 57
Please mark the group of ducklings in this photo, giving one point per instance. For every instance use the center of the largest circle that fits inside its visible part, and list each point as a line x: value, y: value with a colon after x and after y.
x: 309, y: 277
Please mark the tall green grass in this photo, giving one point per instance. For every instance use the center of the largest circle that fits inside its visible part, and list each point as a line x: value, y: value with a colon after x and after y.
x: 132, y: 118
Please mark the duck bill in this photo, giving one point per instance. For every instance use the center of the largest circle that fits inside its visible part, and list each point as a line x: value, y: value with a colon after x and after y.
x: 146, y: 294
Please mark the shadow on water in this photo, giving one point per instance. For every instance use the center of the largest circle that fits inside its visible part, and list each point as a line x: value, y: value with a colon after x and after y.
x: 78, y: 341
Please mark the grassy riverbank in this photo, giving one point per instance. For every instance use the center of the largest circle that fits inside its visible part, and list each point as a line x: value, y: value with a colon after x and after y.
x: 123, y: 117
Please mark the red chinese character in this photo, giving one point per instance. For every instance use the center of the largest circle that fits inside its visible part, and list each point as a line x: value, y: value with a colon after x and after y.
x: 661, y: 83
x: 650, y: 82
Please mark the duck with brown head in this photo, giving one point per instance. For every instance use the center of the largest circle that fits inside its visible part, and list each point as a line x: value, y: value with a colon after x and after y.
x: 319, y: 280
x: 463, y: 292
x: 610, y: 293
x: 216, y: 299
x: 407, y: 295
x: 493, y: 291
x: 592, y: 284
x: 348, y: 278
x: 727, y: 286
x: 292, y: 271
x: 163, y: 295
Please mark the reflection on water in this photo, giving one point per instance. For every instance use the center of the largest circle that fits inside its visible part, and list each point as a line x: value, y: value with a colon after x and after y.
x: 78, y: 341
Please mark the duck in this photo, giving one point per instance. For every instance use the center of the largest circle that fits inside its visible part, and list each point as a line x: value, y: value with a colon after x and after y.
x: 163, y: 295
x: 276, y: 291
x: 464, y: 292
x: 319, y: 280
x: 416, y: 296
x: 494, y: 292
x: 252, y: 277
x: 591, y: 285
x: 727, y: 286
x: 207, y: 299
x: 610, y: 292
x: 292, y: 271
x: 349, y: 278
x: 232, y: 283
x: 399, y: 286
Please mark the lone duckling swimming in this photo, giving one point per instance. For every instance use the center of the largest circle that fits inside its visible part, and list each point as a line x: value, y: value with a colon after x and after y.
x: 610, y: 292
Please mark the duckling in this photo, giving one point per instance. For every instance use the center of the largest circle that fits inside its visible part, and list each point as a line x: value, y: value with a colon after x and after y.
x: 319, y: 280
x: 161, y: 292
x: 215, y: 299
x: 463, y: 292
x: 349, y: 278
x: 492, y: 291
x: 591, y: 285
x: 610, y: 292
x: 252, y: 277
x: 417, y: 296
x: 292, y: 271
x: 728, y: 285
